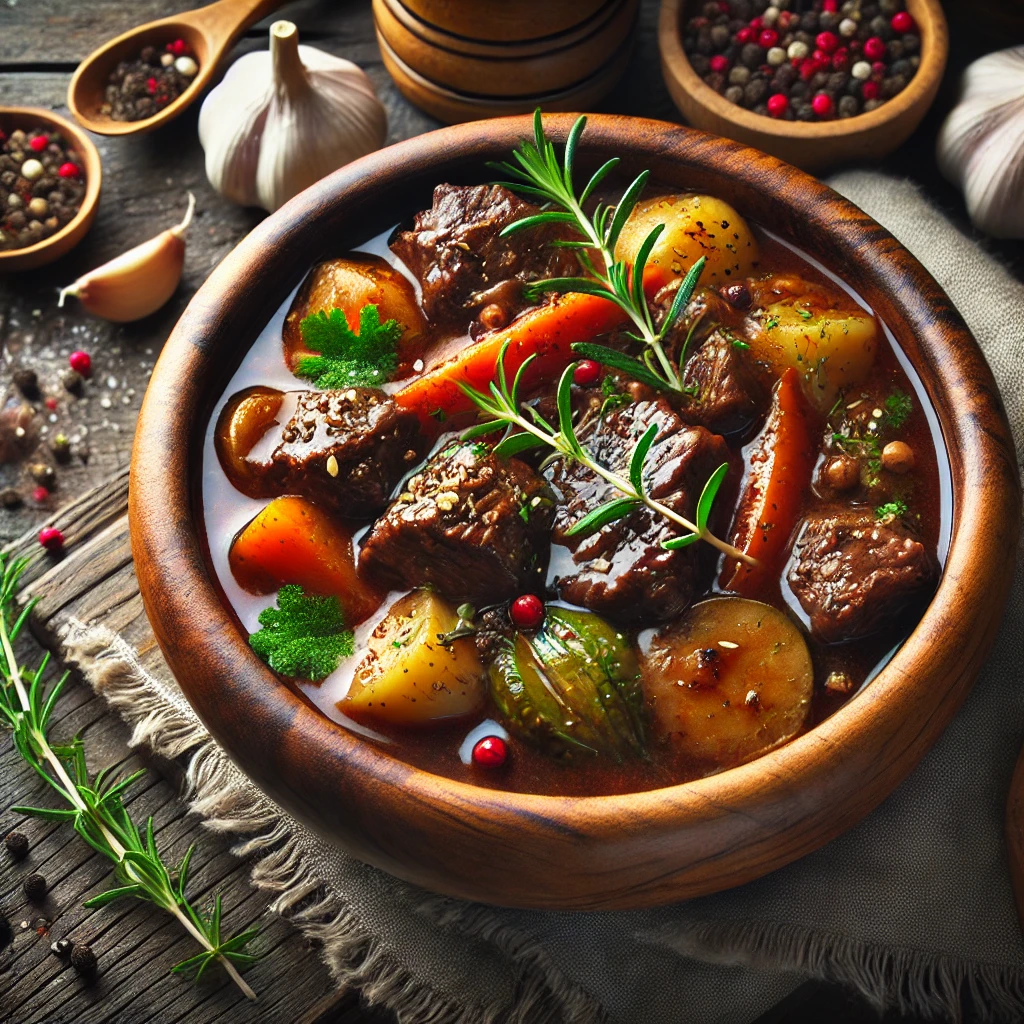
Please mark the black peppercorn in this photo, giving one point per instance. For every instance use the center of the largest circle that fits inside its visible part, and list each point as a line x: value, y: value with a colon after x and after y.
x: 27, y: 382
x: 752, y: 55
x: 828, y: 21
x: 755, y: 91
x: 737, y: 295
x: 43, y: 474
x: 72, y: 381
x: 809, y: 22
x: 10, y: 498
x: 83, y: 959
x: 836, y: 82
x: 720, y: 36
x: 734, y: 94
x: 848, y: 106
x: 61, y: 448
x: 911, y: 43
x: 35, y: 887
x: 61, y: 948
x: 700, y: 64
x: 17, y: 844
x: 798, y: 90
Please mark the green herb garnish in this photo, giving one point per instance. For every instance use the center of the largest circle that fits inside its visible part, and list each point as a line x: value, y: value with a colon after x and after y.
x: 614, y: 398
x: 502, y: 405
x: 347, y: 359
x: 304, y: 636
x: 96, y: 808
x: 771, y: 323
x: 539, y: 173
x: 891, y: 510
x: 898, y: 407
x: 805, y: 313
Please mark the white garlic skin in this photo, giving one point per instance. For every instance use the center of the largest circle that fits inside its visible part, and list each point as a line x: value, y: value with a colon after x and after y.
x: 281, y: 120
x: 981, y: 145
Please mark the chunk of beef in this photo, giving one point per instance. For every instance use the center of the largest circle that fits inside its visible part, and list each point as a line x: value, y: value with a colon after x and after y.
x: 372, y: 442
x: 621, y: 570
x: 471, y: 525
x: 854, y: 574
x: 456, y: 250
x: 727, y: 393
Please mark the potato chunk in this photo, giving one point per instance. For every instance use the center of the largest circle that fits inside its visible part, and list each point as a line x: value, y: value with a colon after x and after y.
x: 695, y: 226
x: 821, y: 333
x: 407, y: 676
x: 349, y: 284
x: 729, y: 681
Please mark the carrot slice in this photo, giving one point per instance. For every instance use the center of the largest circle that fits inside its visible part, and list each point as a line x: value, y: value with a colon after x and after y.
x: 294, y: 541
x: 780, y: 474
x: 547, y: 332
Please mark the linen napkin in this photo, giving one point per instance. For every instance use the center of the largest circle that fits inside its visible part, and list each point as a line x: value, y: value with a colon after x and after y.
x: 913, y: 906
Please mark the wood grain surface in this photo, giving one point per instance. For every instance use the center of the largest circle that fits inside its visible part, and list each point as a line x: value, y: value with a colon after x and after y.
x: 41, y: 42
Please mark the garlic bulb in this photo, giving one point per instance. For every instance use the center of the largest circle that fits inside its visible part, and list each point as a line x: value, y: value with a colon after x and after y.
x: 282, y: 119
x: 139, y: 281
x: 981, y: 145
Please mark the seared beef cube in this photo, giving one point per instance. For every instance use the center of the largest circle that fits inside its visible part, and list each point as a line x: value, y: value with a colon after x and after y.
x: 854, y: 574
x: 456, y: 250
x: 372, y: 442
x: 726, y: 393
x: 471, y: 525
x: 622, y: 571
x: 705, y: 312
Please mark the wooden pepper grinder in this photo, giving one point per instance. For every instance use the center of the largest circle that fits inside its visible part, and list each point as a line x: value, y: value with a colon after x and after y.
x: 460, y: 60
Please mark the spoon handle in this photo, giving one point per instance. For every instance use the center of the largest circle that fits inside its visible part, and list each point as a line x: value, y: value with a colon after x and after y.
x: 225, y: 20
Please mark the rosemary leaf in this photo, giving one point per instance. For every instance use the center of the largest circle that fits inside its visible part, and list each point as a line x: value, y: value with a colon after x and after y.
x: 708, y: 495
x: 617, y: 508
x: 514, y: 444
x: 636, y: 463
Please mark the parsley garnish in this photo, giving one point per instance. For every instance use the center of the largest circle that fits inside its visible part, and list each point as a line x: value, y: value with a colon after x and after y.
x: 891, y: 510
x: 304, y: 636
x: 898, y: 406
x: 805, y: 313
x: 347, y: 359
x: 613, y: 397
x: 771, y: 323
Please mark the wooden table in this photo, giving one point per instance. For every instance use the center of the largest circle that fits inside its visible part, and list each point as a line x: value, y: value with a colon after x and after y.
x: 145, y: 185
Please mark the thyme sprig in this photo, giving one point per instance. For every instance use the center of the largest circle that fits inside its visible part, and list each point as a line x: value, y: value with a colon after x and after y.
x: 502, y: 405
x: 539, y: 173
x: 96, y: 810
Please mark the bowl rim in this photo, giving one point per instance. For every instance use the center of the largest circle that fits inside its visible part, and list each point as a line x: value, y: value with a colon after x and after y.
x: 934, y: 52
x: 216, y: 666
x: 85, y: 147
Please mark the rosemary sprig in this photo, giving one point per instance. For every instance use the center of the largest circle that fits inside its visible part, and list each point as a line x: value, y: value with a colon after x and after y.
x: 502, y: 405
x: 96, y: 809
x: 538, y: 172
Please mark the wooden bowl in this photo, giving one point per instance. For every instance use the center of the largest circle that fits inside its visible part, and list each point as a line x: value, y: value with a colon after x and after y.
x: 817, y: 145
x: 460, y: 60
x: 546, y: 851
x: 49, y: 249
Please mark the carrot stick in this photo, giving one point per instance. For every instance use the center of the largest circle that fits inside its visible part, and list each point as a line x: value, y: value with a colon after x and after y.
x: 780, y: 474
x: 547, y: 332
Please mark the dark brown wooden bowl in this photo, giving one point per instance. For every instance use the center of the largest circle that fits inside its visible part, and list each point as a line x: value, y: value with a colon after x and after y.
x: 543, y: 851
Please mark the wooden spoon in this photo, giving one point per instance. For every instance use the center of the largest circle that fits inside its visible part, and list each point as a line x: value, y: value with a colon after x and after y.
x: 209, y: 31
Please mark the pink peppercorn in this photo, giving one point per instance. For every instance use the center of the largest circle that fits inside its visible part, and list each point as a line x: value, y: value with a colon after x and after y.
x: 80, y: 362
x: 51, y: 403
x: 874, y: 48
x: 841, y: 59
x: 490, y: 752
x: 827, y: 41
x: 68, y: 170
x: 51, y: 538
x: 830, y: 5
x: 768, y: 38
x: 878, y: 70
x: 587, y: 373
x: 778, y: 104
x: 179, y: 48
x: 869, y: 90
x: 822, y: 105
x: 903, y: 21
x: 38, y: 144
x: 152, y: 85
x: 40, y: 494
x: 757, y: 24
x: 745, y: 34
x: 719, y: 64
x: 808, y: 69
x: 526, y: 612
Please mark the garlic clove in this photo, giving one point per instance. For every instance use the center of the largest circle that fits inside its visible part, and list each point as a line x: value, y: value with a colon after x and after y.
x: 281, y: 120
x: 139, y: 281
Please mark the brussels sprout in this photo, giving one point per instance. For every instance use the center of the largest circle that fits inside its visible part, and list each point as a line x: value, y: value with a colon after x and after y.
x: 572, y: 688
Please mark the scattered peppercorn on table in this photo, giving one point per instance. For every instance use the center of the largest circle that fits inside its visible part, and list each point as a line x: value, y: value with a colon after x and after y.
x: 73, y: 386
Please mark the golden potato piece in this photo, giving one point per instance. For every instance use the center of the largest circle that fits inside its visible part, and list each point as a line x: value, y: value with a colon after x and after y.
x: 349, y: 284
x: 695, y: 226
x: 729, y: 681
x: 407, y: 677
x: 823, y: 334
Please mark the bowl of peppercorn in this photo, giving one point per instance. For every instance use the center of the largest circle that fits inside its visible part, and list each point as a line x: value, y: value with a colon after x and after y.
x: 817, y: 83
x: 49, y: 187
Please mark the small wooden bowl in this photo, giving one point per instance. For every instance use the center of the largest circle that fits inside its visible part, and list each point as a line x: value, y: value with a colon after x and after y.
x: 817, y: 145
x: 569, y: 852
x: 502, y: 59
x: 52, y: 248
